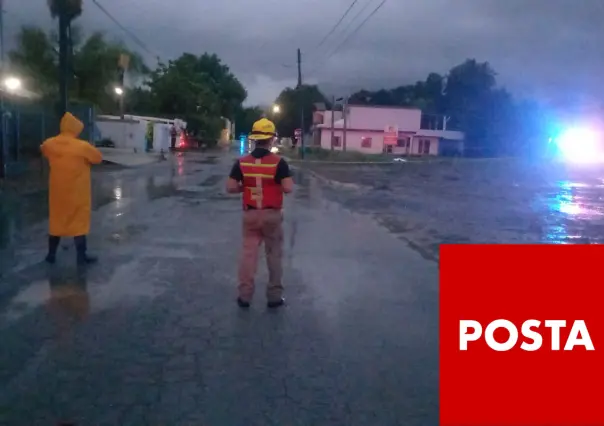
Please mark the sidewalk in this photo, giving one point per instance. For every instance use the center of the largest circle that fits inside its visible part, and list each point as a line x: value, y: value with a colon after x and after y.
x: 129, y: 158
x: 154, y: 336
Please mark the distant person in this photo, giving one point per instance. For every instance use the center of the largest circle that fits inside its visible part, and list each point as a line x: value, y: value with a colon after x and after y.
x: 263, y: 178
x: 69, y: 187
x: 173, y: 135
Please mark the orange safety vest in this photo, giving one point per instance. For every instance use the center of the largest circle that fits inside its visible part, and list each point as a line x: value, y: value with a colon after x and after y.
x: 260, y: 191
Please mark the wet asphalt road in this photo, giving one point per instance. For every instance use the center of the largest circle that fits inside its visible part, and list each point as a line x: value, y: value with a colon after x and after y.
x: 152, y: 335
x: 475, y: 201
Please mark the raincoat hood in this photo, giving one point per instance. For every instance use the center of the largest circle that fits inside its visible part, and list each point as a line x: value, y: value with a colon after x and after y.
x: 71, y: 125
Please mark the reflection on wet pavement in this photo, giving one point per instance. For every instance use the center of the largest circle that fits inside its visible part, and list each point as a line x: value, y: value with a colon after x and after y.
x: 117, y: 187
x: 465, y: 201
x: 69, y: 301
x: 151, y: 335
x: 576, y: 213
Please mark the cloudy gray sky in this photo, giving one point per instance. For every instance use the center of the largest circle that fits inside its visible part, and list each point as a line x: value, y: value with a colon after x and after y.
x: 544, y: 48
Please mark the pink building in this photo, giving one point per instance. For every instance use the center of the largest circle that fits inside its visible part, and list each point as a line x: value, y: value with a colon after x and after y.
x: 396, y: 130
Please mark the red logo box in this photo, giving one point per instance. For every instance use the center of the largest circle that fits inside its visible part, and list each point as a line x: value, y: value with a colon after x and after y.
x: 482, y: 386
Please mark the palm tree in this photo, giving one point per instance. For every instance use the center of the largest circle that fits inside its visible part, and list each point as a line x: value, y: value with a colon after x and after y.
x: 72, y: 8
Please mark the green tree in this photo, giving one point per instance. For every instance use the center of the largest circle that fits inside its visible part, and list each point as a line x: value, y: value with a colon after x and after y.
x: 94, y: 65
x: 470, y: 101
x: 427, y: 95
x: 223, y: 83
x: 292, y: 102
x: 469, y: 96
x: 35, y: 58
x: 245, y: 118
x: 199, y: 88
x: 140, y: 101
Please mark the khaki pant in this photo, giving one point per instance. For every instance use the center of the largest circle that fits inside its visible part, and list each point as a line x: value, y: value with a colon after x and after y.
x: 261, y: 226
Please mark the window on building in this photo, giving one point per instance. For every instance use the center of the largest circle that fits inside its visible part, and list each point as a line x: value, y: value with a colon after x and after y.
x: 423, y: 146
x: 403, y: 142
x: 337, y: 141
x: 365, y: 142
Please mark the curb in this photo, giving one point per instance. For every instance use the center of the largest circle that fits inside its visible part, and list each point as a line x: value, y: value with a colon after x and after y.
x: 412, y: 161
x: 346, y: 162
x: 129, y: 166
x: 298, y: 161
x: 337, y: 184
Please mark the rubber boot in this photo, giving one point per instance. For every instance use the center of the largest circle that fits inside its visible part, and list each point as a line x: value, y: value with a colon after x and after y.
x: 81, y: 248
x: 53, y: 245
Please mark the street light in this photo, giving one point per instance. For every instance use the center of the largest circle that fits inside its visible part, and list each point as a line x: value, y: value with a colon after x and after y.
x: 119, y: 91
x: 12, y: 84
x: 276, y: 109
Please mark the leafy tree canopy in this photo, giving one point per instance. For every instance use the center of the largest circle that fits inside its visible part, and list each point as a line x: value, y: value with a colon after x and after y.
x: 290, y: 102
x: 199, y: 88
x: 94, y: 65
x: 245, y: 118
x: 468, y: 95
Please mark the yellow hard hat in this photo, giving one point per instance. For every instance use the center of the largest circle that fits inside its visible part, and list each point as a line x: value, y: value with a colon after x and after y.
x: 263, y: 129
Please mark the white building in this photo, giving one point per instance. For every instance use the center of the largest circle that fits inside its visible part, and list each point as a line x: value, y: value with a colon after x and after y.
x: 131, y: 131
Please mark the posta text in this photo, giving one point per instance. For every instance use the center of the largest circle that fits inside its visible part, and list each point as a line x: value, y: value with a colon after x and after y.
x: 531, y: 331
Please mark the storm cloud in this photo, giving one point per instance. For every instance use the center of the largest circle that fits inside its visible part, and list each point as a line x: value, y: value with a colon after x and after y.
x: 544, y: 48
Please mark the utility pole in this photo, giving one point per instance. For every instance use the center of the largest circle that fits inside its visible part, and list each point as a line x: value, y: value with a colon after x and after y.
x: 123, y: 64
x: 3, y: 141
x: 299, y: 68
x: 301, y: 103
x: 345, y: 112
x: 63, y: 57
x: 333, y: 119
x: 2, y: 32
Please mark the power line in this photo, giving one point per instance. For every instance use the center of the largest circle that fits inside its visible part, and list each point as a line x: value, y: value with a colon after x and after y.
x: 352, y: 21
x: 133, y: 36
x: 357, y: 29
x: 334, y: 28
x: 359, y: 13
x: 352, y: 34
x: 337, y: 24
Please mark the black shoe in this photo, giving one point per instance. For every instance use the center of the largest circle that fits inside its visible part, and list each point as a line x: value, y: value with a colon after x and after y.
x: 50, y: 259
x: 243, y: 303
x: 81, y: 247
x: 276, y: 304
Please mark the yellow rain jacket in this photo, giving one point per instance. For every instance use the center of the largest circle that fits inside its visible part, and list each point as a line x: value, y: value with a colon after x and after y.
x: 69, y: 184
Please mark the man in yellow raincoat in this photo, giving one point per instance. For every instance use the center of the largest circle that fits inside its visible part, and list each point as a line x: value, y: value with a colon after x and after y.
x: 69, y: 187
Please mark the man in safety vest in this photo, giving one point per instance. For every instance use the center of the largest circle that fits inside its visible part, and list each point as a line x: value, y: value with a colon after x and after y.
x: 263, y: 178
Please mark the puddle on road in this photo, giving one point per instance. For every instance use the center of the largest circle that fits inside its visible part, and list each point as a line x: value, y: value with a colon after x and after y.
x: 574, y: 214
x: 19, y: 212
x: 479, y: 203
x: 157, y: 192
x: 127, y: 233
x: 70, y: 293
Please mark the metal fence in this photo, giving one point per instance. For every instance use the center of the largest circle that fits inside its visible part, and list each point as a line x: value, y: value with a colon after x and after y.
x: 27, y: 126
